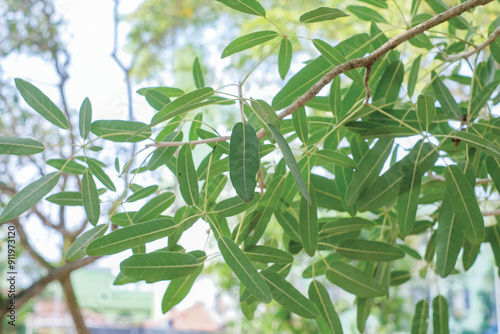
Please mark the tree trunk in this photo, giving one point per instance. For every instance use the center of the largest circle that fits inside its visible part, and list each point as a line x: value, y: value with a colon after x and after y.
x: 72, y: 304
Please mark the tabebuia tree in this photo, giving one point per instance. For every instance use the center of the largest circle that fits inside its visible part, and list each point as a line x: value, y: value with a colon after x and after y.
x: 377, y: 140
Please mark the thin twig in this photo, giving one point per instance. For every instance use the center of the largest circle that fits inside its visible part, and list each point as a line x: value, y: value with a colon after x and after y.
x: 193, y: 142
x: 491, y: 38
x: 492, y: 213
x: 367, y: 86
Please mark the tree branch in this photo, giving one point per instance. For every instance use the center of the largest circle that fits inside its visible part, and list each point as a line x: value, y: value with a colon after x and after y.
x: 491, y: 38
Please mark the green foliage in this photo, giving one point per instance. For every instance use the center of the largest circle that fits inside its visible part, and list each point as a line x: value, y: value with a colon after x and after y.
x: 335, y: 181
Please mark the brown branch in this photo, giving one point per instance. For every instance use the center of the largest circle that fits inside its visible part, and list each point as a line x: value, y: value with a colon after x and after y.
x: 481, y: 46
x: 367, y: 86
x: 492, y: 213
x: 72, y: 304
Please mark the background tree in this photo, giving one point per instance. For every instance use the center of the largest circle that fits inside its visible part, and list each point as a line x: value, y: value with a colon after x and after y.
x: 346, y: 201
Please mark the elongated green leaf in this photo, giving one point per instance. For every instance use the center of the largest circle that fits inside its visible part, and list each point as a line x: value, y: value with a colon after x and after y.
x: 284, y: 57
x: 321, y: 266
x: 327, y: 194
x: 335, y: 98
x: 244, y: 160
x: 443, y: 95
x: 369, y: 168
x: 407, y: 203
x: 495, y: 46
x: 345, y: 225
x: 335, y: 57
x: 440, y: 315
x: 123, y: 218
x: 119, y: 131
x: 234, y: 205
x: 321, y: 298
x: 85, y: 118
x: 199, y: 82
x: 322, y: 14
x: 77, y: 250
x: 493, y: 237
x: 157, y: 99
x: 482, y: 98
x: 252, y: 7
x: 368, y: 250
x: 66, y: 166
x: 449, y: 238
x: 159, y: 266
x: 299, y: 120
x: 187, y: 176
x: 366, y: 14
x: 308, y: 222
x: 420, y: 318
x: 154, y: 207
x: 353, y: 280
x: 101, y: 175
x: 426, y: 111
x: 168, y: 91
x: 290, y: 161
x: 287, y: 296
x: 390, y: 83
x: 69, y: 198
x: 266, y: 114
x: 337, y: 158
x: 267, y: 254
x: 20, y: 146
x: 469, y: 254
x: 377, y: 3
x: 399, y: 277
x: 289, y: 224
x: 142, y: 193
x: 90, y: 197
x: 301, y: 82
x: 41, y: 103
x: 162, y: 155
x: 195, y: 126
x: 413, y: 77
x: 464, y: 204
x: 29, y: 196
x: 248, y: 41
x: 480, y: 143
x: 493, y: 167
x: 132, y: 236
x: 178, y: 289
x: 244, y: 270
x: 363, y: 308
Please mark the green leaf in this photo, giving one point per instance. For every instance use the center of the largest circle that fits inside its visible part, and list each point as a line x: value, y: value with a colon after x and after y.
x: 443, y: 95
x: 178, y: 289
x: 248, y: 41
x: 336, y: 98
x: 301, y: 82
x: 20, y: 146
x: 154, y: 207
x: 366, y: 14
x: 377, y: 3
x: 493, y: 167
x: 77, y: 249
x: 120, y: 131
x: 244, y: 270
x: 482, y: 98
x: 470, y: 254
x: 85, y: 118
x: 101, y: 175
x: 426, y: 111
x: 369, y: 168
x: 187, y: 177
x: 234, y: 205
x: 353, y: 280
x: 420, y: 318
x: 266, y: 114
x: 156, y: 99
x: 195, y: 126
x: 390, y: 84
x: 159, y: 266
x: 29, y: 196
x: 90, y: 198
x: 168, y: 91
x: 199, y: 82
x: 132, y: 236
x: 287, y: 296
x: 66, y: 166
x: 480, y: 143
x: 68, y: 198
x: 345, y: 225
x: 413, y: 77
x: 299, y: 120
x: 284, y: 57
x: 267, y: 254
x: 407, y: 202
x: 308, y: 222
x: 440, y: 315
x: 41, y: 104
x: 142, y: 193
x: 321, y: 298
x: 449, y: 238
x: 366, y: 250
x: 322, y: 14
x: 335, y: 57
x: 464, y: 204
x: 495, y: 46
x: 123, y: 218
x: 337, y: 158
x: 244, y: 160
x: 289, y: 224
x: 363, y: 308
x: 327, y: 194
x: 290, y: 161
x: 252, y: 7
x: 321, y: 266
x: 162, y: 155
x: 399, y: 277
